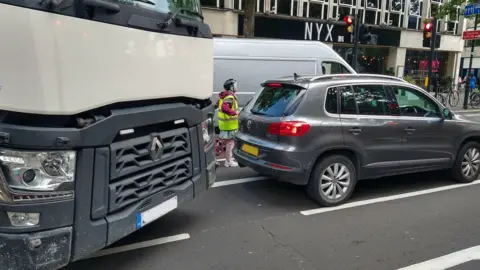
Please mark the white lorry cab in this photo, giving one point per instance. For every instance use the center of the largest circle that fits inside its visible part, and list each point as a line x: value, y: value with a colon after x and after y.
x: 105, y: 122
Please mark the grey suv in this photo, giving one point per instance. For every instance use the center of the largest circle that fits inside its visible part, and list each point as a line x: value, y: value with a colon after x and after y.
x: 327, y: 132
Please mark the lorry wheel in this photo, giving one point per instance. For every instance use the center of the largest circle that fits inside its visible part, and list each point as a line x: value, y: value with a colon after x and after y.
x: 332, y: 181
x: 467, y: 164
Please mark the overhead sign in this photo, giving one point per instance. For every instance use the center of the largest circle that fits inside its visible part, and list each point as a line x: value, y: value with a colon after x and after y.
x: 329, y: 32
x: 471, y: 35
x: 472, y: 9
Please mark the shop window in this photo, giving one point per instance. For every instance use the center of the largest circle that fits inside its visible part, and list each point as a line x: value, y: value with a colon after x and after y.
x: 210, y: 3
x: 372, y: 17
x: 284, y: 7
x: 370, y: 99
x: 416, y: 65
x: 372, y: 4
x: 396, y: 5
x: 316, y: 10
x: 415, y: 6
x: 333, y: 68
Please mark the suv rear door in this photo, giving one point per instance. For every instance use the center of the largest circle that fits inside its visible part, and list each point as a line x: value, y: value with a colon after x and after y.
x: 369, y: 128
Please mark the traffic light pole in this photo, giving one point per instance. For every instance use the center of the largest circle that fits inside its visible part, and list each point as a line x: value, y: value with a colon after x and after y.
x: 432, y: 56
x: 356, y: 37
x: 467, y: 83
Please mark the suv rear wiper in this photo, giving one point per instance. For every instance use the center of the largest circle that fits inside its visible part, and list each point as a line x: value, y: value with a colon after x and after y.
x: 257, y: 112
x: 172, y: 17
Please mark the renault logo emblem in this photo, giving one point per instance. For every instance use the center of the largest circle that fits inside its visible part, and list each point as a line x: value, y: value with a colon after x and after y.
x: 156, y: 148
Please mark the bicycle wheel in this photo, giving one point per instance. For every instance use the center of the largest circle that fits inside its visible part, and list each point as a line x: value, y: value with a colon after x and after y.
x: 453, y: 98
x: 475, y: 100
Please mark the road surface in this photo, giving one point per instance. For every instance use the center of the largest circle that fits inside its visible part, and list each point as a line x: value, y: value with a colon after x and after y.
x: 415, y: 222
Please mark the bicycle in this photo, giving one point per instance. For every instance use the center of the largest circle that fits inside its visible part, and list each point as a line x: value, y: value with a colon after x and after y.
x: 451, y: 96
x: 474, y: 98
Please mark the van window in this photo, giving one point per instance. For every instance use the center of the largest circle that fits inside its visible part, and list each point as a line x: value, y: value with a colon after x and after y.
x: 276, y: 102
x: 333, y: 68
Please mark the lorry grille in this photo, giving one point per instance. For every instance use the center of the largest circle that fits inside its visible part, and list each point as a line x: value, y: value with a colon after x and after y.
x: 142, y: 166
x: 133, y: 155
x: 132, y: 189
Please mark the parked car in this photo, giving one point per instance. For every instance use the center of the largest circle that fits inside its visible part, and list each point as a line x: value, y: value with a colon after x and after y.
x: 327, y: 132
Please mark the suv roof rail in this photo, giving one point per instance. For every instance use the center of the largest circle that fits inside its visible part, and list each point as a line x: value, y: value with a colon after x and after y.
x: 356, y: 76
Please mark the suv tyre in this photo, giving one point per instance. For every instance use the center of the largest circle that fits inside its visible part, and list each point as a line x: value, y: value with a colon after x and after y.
x: 467, y: 164
x: 333, y: 180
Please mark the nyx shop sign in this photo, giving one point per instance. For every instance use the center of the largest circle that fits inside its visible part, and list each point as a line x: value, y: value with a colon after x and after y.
x: 328, y: 32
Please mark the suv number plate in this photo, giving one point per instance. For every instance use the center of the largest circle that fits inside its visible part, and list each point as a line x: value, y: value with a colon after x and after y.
x: 252, y: 150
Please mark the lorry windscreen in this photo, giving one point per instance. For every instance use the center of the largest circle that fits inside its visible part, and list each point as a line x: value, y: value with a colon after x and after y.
x: 175, y: 17
x: 187, y: 7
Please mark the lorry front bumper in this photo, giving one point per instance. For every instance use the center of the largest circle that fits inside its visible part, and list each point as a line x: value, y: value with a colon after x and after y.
x: 53, y: 249
x: 40, y: 250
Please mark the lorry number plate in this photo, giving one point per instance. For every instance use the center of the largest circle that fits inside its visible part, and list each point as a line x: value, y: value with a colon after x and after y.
x: 156, y: 212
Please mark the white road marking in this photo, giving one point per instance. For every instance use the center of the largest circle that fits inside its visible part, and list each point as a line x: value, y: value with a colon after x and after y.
x: 447, y: 261
x: 462, y: 111
x: 238, y: 181
x: 472, y: 114
x: 385, y: 199
x: 139, y: 245
x: 220, y: 159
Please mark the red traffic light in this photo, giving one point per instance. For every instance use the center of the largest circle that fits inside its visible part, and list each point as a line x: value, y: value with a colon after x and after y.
x: 428, y: 26
x: 348, y: 20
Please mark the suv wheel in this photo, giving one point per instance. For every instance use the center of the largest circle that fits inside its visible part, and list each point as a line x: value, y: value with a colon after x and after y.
x: 332, y: 181
x: 467, y: 165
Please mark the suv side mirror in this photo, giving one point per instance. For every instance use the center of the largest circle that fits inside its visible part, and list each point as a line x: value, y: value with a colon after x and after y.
x: 446, y: 113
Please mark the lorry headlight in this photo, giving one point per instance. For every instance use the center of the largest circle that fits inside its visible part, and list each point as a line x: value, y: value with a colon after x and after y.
x: 18, y: 219
x: 208, y: 130
x: 38, y: 171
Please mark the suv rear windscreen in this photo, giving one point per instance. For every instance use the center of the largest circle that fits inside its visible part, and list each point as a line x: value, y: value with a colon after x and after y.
x: 278, y: 101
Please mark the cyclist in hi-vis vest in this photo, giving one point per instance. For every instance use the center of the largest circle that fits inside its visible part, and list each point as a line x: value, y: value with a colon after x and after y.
x: 227, y: 112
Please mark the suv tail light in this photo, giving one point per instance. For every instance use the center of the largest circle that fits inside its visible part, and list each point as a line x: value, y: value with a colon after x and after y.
x: 289, y: 128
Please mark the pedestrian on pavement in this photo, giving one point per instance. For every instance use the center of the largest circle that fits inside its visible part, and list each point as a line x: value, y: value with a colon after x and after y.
x: 473, y: 82
x: 227, y: 111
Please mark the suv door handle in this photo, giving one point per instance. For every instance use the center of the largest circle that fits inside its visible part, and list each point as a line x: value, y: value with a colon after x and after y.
x: 355, y: 130
x: 409, y: 130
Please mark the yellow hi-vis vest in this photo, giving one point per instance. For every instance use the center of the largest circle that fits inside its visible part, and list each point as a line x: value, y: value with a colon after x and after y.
x: 227, y: 122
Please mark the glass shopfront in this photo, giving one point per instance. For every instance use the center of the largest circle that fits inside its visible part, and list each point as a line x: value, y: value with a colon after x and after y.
x: 416, y: 65
x: 369, y: 59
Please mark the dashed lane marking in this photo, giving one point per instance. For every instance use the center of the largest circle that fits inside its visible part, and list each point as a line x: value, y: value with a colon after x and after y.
x: 385, y: 199
x: 447, y: 261
x: 139, y: 245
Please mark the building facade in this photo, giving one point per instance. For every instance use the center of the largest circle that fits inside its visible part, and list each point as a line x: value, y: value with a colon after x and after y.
x: 467, y: 51
x: 396, y: 25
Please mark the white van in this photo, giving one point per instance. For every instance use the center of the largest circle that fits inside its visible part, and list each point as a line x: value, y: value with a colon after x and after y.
x: 252, y: 61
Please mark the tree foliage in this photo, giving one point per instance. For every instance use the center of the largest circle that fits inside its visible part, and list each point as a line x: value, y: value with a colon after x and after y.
x: 451, y: 8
